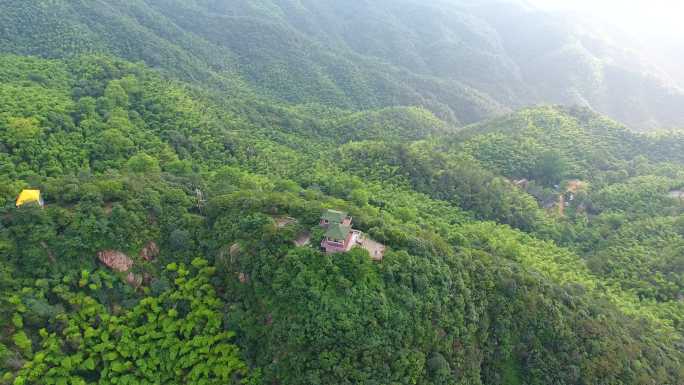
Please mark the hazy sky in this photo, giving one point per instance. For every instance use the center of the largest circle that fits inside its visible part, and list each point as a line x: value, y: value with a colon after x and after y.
x: 660, y: 18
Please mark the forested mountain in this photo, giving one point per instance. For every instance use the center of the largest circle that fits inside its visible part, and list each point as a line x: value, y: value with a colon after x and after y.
x: 185, y: 151
x: 464, y: 61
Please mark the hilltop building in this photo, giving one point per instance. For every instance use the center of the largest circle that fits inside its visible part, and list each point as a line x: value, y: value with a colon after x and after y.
x: 340, y: 237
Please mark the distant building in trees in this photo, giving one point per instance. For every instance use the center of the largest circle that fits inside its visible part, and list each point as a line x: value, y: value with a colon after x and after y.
x: 572, y: 187
x: 30, y: 197
x: 677, y: 194
x: 340, y: 237
x: 522, y: 183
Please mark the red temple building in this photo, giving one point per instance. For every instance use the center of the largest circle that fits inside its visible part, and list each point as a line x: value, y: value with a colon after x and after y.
x: 339, y: 237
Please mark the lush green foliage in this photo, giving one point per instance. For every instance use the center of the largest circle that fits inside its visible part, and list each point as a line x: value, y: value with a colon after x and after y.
x: 120, y: 155
x: 462, y: 61
x: 485, y: 280
x: 174, y: 337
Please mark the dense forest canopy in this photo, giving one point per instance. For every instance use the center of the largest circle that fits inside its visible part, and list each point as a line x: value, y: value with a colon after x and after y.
x: 185, y: 150
x: 464, y: 61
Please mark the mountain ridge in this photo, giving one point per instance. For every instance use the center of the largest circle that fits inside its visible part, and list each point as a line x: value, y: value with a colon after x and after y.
x: 474, y: 62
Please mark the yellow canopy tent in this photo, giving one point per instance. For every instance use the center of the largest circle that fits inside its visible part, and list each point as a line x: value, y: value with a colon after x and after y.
x: 30, y: 196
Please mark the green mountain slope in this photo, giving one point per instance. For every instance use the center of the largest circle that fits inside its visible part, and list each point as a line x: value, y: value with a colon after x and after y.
x: 120, y: 153
x: 184, y: 149
x: 590, y: 146
x: 197, y: 45
x: 512, y: 53
x: 471, y: 61
x: 511, y: 169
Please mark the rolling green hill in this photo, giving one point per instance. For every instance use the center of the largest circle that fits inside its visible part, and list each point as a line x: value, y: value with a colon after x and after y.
x: 120, y: 153
x: 196, y: 143
x: 470, y: 61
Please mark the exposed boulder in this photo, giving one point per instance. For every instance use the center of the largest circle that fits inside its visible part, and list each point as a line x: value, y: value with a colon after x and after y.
x: 150, y: 252
x: 115, y: 260
x: 282, y: 222
x: 235, y: 250
x: 303, y: 239
x: 134, y: 280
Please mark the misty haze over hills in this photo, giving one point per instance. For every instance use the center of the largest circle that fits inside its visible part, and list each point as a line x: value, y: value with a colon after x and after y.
x: 462, y: 60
